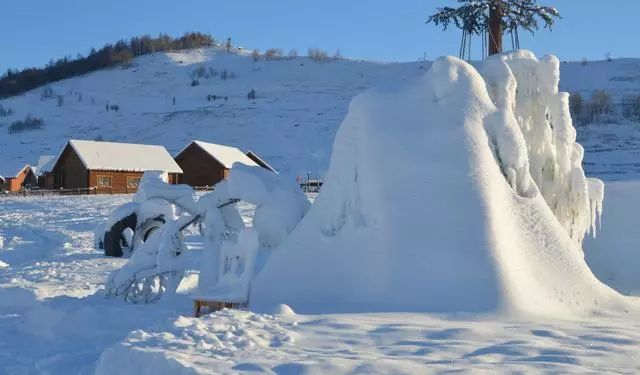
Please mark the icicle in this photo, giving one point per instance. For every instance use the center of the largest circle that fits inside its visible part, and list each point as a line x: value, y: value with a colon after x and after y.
x: 596, y: 197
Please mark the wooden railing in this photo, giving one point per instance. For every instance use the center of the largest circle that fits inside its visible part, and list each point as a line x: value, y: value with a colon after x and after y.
x: 46, y: 192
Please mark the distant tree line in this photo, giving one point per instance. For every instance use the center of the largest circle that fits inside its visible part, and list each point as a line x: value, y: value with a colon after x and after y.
x: 600, y: 108
x: 15, y: 82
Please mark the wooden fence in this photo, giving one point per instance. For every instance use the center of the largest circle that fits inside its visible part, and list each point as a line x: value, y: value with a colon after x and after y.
x: 80, y: 191
x: 45, y: 192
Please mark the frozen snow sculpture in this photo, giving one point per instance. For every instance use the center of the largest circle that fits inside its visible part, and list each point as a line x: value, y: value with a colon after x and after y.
x: 278, y: 211
x: 525, y: 89
x: 131, y: 224
x: 460, y: 192
x: 155, y: 244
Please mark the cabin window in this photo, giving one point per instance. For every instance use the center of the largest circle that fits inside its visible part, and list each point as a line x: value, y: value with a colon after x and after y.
x: 133, y: 182
x: 104, y: 181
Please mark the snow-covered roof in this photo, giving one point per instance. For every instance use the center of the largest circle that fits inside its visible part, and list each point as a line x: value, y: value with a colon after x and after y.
x: 45, y: 164
x: 225, y: 155
x: 13, y: 169
x: 131, y: 157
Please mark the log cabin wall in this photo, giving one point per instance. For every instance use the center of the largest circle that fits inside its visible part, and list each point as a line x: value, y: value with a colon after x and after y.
x: 199, y: 168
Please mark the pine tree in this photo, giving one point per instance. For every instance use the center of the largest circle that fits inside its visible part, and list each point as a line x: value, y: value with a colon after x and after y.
x: 496, y: 17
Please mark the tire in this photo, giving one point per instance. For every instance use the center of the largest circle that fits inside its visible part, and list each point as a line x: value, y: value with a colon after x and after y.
x: 144, y: 230
x: 114, y: 237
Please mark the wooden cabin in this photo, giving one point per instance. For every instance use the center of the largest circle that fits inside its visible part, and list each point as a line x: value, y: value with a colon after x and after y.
x: 206, y: 164
x: 109, y: 167
x: 18, y: 179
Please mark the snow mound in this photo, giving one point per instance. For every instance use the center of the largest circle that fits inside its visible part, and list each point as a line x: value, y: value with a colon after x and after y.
x: 281, y: 309
x: 461, y: 192
x: 196, y: 342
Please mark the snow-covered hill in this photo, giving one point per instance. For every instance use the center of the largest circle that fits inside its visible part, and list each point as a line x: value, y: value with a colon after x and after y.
x: 292, y: 122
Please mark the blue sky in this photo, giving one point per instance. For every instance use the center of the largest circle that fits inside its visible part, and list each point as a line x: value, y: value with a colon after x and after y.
x: 34, y: 31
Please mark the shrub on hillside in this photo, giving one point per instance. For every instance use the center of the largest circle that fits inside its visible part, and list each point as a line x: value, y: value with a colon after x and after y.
x: 5, y: 112
x: 47, y: 93
x: 29, y: 123
x: 601, y: 102
x: 575, y: 105
x: 318, y: 55
x: 599, y: 108
x: 273, y: 54
x: 199, y: 72
x: 255, y: 55
x: 631, y: 107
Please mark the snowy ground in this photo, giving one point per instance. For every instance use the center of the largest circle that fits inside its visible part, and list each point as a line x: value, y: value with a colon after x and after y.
x: 230, y: 342
x: 54, y: 319
x: 612, y: 151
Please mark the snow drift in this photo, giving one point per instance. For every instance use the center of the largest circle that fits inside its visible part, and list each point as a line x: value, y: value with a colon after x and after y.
x: 462, y: 192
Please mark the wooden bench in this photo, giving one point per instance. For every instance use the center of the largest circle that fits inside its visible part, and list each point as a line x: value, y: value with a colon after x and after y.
x: 201, y: 306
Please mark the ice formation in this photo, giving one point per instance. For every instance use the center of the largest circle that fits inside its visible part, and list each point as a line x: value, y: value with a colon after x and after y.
x: 461, y: 192
x: 525, y: 92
